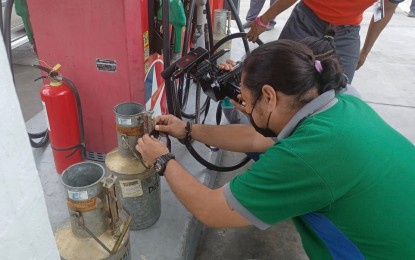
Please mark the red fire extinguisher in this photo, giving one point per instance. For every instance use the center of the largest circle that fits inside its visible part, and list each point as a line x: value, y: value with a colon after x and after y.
x: 62, y: 107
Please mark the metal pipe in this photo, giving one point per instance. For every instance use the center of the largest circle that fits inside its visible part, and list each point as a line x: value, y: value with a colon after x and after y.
x: 120, y: 239
x: 7, y: 31
x: 209, y: 25
x: 76, y: 218
x: 1, y: 18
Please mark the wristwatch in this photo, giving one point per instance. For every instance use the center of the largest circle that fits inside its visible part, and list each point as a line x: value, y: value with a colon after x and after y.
x: 161, y: 162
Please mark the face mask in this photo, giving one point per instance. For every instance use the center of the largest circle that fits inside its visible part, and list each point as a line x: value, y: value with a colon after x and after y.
x: 265, y: 132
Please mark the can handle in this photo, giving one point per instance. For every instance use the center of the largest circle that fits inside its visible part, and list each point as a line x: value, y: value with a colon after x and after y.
x: 134, y: 152
x: 120, y: 239
x: 76, y: 216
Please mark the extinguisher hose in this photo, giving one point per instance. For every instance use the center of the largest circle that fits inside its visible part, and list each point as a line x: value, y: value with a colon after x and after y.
x: 44, y: 138
x: 75, y: 148
x: 80, y: 118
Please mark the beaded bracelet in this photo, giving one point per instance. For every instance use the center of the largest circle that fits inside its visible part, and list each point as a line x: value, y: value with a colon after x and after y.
x: 260, y: 23
x: 188, y: 130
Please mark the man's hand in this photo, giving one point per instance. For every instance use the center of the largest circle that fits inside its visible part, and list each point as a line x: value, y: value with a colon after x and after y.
x: 171, y: 125
x: 255, y: 31
x: 228, y: 66
x: 150, y: 148
x: 240, y: 105
x: 362, y: 59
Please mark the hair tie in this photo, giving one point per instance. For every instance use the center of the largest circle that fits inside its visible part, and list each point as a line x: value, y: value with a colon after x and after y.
x: 329, y: 37
x: 317, y: 65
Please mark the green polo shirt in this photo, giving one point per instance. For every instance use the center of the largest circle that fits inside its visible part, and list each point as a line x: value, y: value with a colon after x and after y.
x: 346, y: 178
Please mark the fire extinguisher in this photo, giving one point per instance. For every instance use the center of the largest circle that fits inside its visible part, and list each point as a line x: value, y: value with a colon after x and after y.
x: 62, y: 106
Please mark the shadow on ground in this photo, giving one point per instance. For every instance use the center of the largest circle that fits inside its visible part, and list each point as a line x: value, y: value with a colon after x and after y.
x: 278, y: 242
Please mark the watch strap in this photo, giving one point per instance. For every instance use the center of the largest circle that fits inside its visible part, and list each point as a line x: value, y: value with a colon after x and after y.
x: 163, y: 159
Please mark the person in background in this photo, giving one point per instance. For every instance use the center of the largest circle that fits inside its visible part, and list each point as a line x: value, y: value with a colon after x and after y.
x: 343, y: 175
x: 411, y: 9
x: 314, y: 17
x: 255, y: 8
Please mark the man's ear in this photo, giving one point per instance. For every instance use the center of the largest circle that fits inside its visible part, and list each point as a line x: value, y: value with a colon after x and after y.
x: 270, y: 96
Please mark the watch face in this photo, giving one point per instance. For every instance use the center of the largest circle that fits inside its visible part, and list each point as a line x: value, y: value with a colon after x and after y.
x: 158, y: 165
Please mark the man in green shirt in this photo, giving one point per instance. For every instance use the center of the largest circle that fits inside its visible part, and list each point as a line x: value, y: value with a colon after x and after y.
x: 345, y: 176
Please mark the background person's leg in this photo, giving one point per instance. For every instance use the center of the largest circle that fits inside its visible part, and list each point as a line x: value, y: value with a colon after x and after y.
x: 255, y: 8
x: 412, y: 9
x: 303, y: 23
x: 347, y: 41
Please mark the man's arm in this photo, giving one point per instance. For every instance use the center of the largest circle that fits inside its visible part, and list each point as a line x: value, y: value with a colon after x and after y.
x: 375, y: 28
x: 236, y: 138
x: 207, y: 205
x: 278, y: 7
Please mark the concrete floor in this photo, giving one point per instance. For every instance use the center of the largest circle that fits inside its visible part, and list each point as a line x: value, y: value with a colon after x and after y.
x: 281, y: 241
x: 27, y: 90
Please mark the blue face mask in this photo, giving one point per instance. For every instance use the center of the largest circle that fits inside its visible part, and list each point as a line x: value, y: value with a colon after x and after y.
x: 265, y: 132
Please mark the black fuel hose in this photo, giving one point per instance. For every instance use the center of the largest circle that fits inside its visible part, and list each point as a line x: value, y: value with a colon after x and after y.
x: 238, y: 23
x: 231, y: 37
x: 175, y: 107
x: 188, y: 143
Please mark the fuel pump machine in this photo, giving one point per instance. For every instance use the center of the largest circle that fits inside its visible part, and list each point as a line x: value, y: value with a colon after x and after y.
x: 111, y: 51
x: 104, y: 48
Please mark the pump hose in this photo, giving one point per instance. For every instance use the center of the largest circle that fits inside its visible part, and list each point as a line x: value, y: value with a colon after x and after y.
x: 184, y: 81
x: 174, y: 104
x: 188, y: 142
x: 238, y: 23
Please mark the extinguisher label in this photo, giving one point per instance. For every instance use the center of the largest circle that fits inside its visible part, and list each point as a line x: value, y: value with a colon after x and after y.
x: 131, y: 188
x: 46, y: 114
x: 106, y: 65
x: 78, y: 195
x: 125, y: 121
